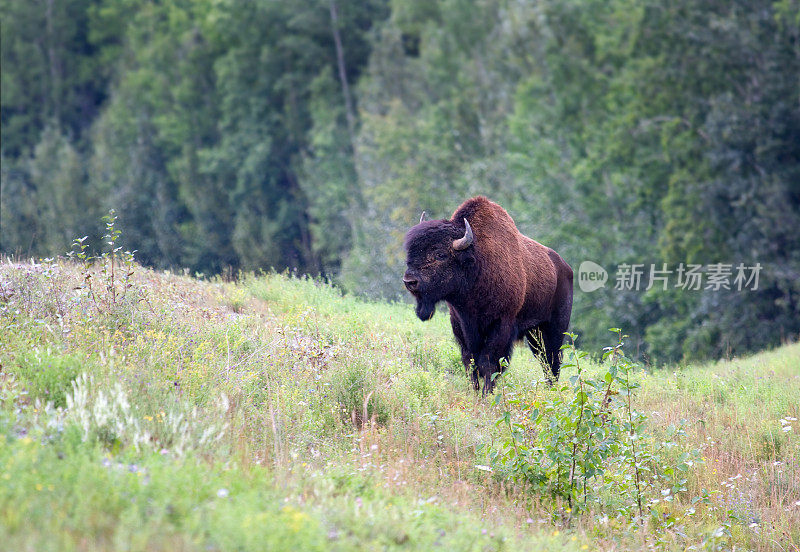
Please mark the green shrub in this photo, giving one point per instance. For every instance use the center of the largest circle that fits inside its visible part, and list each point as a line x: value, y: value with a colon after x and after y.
x: 583, y: 445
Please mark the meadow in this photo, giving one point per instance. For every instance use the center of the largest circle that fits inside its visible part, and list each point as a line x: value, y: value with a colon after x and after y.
x: 147, y: 410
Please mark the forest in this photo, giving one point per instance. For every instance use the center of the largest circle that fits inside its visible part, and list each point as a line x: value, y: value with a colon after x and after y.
x: 309, y: 135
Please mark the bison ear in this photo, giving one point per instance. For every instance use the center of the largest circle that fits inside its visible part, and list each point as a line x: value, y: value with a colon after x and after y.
x: 422, y: 217
x: 462, y: 243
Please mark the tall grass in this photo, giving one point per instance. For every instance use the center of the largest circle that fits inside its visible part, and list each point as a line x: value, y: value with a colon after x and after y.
x: 276, y: 413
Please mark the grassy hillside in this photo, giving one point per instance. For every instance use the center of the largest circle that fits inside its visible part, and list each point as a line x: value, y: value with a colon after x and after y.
x: 157, y: 412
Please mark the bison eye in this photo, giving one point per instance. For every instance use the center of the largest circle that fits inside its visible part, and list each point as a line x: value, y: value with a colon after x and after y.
x: 442, y: 256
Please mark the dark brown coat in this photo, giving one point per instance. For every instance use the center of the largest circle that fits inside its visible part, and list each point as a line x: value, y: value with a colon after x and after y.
x: 500, y: 288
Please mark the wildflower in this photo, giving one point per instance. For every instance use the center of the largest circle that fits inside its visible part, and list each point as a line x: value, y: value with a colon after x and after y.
x: 223, y: 493
x: 556, y: 533
x: 39, y: 487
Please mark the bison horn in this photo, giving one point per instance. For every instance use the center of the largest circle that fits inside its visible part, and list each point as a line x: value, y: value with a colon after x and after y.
x: 422, y: 217
x: 466, y: 241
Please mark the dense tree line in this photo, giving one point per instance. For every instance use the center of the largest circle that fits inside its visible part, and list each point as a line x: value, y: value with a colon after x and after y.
x: 310, y: 134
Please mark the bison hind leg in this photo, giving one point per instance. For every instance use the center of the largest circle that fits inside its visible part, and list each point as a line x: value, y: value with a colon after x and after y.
x: 545, y: 342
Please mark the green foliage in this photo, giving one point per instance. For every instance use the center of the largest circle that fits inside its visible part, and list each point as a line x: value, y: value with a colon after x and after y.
x: 358, y: 399
x: 47, y: 376
x: 584, y: 447
x: 143, y: 502
x: 310, y: 135
x: 110, y: 288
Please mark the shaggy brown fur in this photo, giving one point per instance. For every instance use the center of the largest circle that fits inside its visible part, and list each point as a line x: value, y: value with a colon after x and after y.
x: 500, y: 289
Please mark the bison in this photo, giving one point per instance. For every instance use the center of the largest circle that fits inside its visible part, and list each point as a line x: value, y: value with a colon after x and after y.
x: 499, y: 285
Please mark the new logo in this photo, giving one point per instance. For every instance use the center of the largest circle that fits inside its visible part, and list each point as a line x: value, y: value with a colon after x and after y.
x: 591, y: 276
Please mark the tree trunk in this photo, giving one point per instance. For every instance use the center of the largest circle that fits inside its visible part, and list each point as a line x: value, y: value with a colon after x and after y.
x: 348, y: 100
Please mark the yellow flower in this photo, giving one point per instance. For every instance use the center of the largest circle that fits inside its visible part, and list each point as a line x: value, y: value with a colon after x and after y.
x: 296, y: 518
x: 148, y: 418
x: 39, y: 487
x: 556, y: 533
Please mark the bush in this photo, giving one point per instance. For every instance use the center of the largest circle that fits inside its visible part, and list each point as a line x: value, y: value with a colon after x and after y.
x: 583, y: 445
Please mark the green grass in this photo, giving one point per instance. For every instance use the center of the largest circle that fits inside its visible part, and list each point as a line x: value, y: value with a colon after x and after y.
x: 275, y: 413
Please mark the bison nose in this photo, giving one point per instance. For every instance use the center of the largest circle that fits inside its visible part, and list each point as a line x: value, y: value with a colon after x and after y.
x: 411, y: 283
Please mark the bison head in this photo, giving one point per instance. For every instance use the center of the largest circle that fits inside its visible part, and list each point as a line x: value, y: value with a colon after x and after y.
x: 440, y: 263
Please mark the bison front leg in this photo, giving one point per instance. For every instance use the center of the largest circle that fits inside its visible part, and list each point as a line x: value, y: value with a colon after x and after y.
x: 470, y: 365
x: 474, y: 376
x: 467, y: 357
x: 498, y: 345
